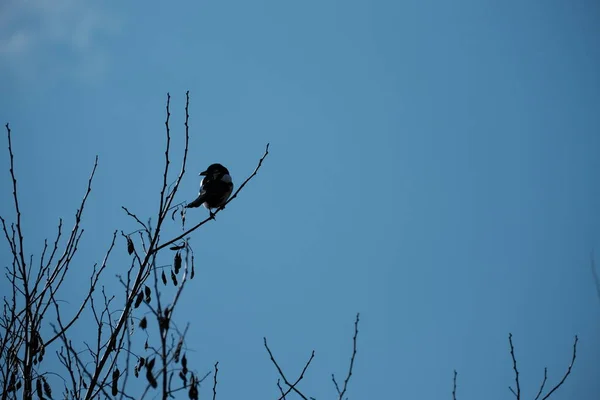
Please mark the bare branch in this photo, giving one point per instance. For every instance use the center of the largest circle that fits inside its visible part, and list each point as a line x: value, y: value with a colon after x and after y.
x: 172, y: 193
x: 280, y: 389
x: 514, y: 360
x: 16, y: 201
x: 559, y: 384
x: 543, y: 384
x: 95, y: 370
x: 215, y: 380
x: 93, y: 282
x: 312, y: 356
x: 132, y: 215
x: 291, y: 386
x: 454, y: 386
x: 343, y: 391
x: 167, y: 162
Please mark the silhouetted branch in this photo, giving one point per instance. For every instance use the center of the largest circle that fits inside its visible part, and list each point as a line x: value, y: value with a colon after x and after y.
x: 543, y: 384
x: 514, y: 360
x: 285, y: 380
x: 215, y: 381
x: 559, y: 384
x: 517, y: 393
x: 299, y: 378
x: 19, y: 247
x: 167, y: 161
x: 173, y: 191
x: 343, y: 391
x: 93, y: 282
x: 280, y: 389
x: 454, y: 386
x: 36, y: 289
x: 132, y: 215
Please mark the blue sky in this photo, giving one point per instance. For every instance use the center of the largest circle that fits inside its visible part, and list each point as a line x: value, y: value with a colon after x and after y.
x: 434, y: 165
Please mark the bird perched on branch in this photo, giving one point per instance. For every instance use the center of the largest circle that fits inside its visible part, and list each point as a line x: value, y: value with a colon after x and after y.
x: 215, y: 188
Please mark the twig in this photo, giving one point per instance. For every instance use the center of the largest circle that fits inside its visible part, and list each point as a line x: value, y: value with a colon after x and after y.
x: 172, y: 193
x: 16, y: 200
x: 300, y: 377
x: 514, y: 360
x: 343, y: 391
x: 559, y: 384
x: 93, y: 282
x: 281, y: 389
x: 132, y: 215
x: 543, y: 384
x: 215, y: 381
x: 291, y: 386
x: 454, y: 386
x: 167, y: 161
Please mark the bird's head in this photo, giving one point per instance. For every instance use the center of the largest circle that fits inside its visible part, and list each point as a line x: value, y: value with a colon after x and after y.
x: 215, y: 171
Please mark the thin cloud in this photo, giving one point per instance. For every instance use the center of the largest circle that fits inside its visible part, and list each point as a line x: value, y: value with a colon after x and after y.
x: 17, y: 43
x: 53, y: 39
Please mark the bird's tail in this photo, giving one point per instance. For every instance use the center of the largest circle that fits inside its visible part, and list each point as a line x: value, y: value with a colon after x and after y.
x: 196, y: 203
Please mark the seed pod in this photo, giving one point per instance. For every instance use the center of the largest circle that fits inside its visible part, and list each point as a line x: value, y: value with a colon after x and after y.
x: 47, y: 389
x: 115, y: 382
x: 177, y: 262
x: 130, y: 248
x: 138, y: 299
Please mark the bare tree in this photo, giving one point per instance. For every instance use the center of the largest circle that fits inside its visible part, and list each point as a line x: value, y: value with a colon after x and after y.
x: 35, y: 321
x: 101, y: 368
x: 293, y: 386
x: 516, y: 391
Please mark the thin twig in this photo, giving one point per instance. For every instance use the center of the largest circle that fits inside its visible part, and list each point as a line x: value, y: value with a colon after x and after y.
x: 454, y: 386
x: 215, y: 380
x: 132, y: 215
x: 343, y: 391
x: 93, y: 283
x: 281, y: 389
x: 167, y: 161
x: 281, y: 372
x: 312, y: 356
x: 559, y: 384
x: 543, y: 384
x: 514, y: 360
x: 172, y: 193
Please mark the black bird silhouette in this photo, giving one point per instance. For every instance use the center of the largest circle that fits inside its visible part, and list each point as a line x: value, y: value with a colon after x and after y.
x: 215, y: 188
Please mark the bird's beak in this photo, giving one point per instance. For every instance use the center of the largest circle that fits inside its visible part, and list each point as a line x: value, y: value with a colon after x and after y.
x: 202, y: 173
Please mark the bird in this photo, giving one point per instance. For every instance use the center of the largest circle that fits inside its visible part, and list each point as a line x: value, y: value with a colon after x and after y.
x: 215, y: 188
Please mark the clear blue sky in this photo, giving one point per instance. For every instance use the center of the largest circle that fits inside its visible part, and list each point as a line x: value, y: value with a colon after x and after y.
x: 434, y: 165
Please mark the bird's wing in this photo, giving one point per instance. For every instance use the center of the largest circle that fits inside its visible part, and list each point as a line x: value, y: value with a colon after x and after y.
x: 200, y: 199
x: 196, y: 203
